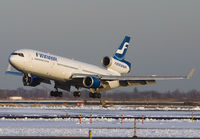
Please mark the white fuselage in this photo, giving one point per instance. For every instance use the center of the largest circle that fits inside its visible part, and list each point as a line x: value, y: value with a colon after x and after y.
x: 53, y: 67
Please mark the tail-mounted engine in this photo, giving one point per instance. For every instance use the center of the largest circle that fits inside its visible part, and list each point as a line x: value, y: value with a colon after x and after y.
x: 91, y: 82
x: 121, y: 66
x: 32, y: 81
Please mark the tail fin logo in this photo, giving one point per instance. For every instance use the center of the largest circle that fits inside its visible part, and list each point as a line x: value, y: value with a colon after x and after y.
x: 121, y: 51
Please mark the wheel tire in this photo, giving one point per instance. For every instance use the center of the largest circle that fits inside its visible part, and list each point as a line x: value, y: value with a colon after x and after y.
x: 52, y: 93
x: 56, y: 93
x: 98, y: 95
x: 74, y: 94
x: 91, y: 95
x: 78, y: 94
x: 60, y: 94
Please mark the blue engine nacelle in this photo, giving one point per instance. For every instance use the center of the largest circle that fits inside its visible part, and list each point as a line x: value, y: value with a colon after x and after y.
x: 31, y: 80
x: 91, y: 82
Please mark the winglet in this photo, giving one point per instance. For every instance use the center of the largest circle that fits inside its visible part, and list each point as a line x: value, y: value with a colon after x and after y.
x: 190, y: 74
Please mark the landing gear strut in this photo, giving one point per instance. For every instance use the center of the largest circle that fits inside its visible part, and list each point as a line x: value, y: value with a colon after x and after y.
x: 94, y: 95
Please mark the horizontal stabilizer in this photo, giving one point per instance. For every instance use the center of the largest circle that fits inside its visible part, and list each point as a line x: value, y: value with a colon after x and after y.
x: 14, y: 73
x: 9, y: 71
x: 190, y: 74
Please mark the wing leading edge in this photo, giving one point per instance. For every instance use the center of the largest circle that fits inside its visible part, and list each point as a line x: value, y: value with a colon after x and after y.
x: 135, y: 79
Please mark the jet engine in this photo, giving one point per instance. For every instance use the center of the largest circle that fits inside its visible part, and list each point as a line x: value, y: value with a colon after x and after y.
x: 31, y: 80
x: 121, y: 66
x: 91, y: 82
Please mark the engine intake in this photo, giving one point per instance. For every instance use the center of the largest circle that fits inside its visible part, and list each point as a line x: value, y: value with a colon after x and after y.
x: 91, y: 82
x: 121, y: 66
x: 31, y: 80
x: 106, y: 61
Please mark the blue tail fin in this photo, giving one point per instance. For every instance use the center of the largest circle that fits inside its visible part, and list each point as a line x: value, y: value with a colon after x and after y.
x: 121, y: 51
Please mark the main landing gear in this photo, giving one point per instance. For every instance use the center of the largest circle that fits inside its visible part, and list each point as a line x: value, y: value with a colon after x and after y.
x: 77, y: 94
x: 94, y: 95
x: 56, y: 93
x: 91, y: 95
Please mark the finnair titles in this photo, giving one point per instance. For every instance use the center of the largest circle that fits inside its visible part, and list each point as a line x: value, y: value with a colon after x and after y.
x: 46, y: 56
x: 37, y: 67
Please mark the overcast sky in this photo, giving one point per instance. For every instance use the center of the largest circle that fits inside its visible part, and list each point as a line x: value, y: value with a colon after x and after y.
x: 166, y: 35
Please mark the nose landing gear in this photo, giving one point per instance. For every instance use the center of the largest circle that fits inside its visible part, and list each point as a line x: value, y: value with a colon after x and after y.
x: 56, y: 93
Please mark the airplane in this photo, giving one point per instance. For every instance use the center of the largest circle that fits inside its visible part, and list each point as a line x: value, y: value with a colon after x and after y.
x: 37, y: 67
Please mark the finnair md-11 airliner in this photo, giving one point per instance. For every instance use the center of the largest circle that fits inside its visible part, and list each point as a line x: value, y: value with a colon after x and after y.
x: 38, y: 67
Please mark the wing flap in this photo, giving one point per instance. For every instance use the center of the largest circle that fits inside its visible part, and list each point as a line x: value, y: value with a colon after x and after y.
x: 136, y: 83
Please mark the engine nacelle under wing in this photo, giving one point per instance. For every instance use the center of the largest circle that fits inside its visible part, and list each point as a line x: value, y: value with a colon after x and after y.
x: 31, y: 80
x: 91, y: 82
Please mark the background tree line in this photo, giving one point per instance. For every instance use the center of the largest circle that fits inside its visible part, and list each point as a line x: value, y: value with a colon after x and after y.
x: 134, y: 95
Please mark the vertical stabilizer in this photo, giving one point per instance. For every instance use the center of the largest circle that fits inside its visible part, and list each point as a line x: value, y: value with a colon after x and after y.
x: 121, y: 51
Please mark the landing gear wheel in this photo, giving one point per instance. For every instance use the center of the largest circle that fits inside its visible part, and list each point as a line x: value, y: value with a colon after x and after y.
x: 91, y: 95
x: 52, y: 93
x: 98, y: 95
x: 56, y: 94
x: 60, y: 94
x: 94, y: 95
x: 77, y: 94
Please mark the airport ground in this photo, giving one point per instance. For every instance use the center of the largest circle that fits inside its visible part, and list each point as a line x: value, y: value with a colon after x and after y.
x: 61, y: 119
x: 22, y: 137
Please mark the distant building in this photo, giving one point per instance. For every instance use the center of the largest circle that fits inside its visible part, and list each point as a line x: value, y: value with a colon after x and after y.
x: 15, y: 98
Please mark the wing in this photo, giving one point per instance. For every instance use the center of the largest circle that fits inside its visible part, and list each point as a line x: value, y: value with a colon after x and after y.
x: 133, y: 80
x: 147, y: 78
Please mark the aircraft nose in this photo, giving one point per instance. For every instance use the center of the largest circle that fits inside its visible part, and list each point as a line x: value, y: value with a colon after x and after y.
x: 11, y: 59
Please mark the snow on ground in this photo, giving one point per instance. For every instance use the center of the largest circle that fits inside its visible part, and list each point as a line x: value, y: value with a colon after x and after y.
x: 115, y: 111
x: 100, y: 127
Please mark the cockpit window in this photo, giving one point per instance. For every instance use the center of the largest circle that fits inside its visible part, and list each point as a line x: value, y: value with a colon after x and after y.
x: 19, y: 54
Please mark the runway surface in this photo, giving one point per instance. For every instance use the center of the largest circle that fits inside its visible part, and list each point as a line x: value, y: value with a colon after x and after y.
x: 30, y: 137
x: 106, y: 122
